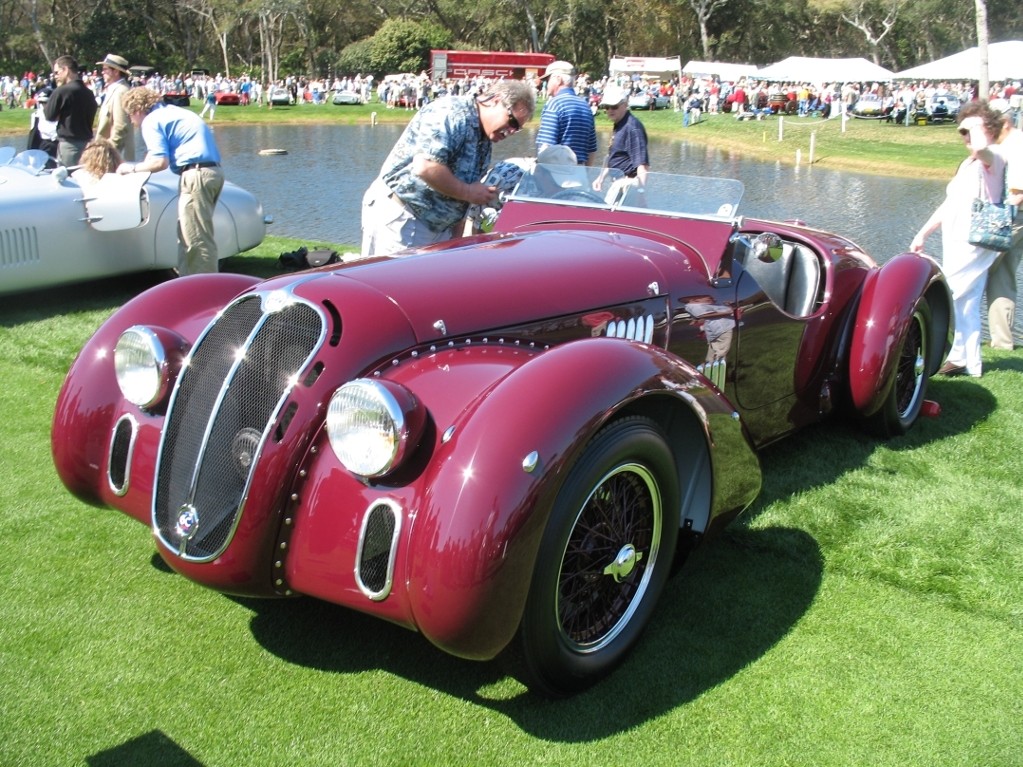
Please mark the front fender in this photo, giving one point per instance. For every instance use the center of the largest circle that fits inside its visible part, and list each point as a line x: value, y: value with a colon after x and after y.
x: 888, y: 299
x: 90, y: 400
x: 491, y: 485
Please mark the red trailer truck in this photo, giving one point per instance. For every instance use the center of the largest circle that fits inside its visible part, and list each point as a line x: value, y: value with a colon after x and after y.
x: 495, y: 64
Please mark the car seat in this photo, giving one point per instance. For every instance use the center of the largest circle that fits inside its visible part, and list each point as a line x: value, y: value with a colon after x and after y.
x: 792, y: 281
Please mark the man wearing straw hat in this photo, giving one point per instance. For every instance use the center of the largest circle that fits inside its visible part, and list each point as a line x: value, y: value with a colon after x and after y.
x: 114, y: 123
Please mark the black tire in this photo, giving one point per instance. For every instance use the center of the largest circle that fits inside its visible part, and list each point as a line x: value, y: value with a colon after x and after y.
x: 576, y: 194
x: 907, y: 385
x: 603, y: 560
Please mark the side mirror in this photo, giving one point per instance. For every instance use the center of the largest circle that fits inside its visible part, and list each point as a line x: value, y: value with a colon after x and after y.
x: 767, y: 247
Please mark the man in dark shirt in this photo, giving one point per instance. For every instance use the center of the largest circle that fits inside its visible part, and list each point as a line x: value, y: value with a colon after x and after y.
x: 627, y: 151
x: 73, y: 107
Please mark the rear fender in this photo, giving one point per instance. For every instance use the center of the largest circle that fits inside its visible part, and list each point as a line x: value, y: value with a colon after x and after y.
x: 886, y: 306
x: 90, y: 401
x: 491, y: 483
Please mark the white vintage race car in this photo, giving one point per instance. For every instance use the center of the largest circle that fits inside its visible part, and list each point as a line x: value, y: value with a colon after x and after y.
x: 53, y: 231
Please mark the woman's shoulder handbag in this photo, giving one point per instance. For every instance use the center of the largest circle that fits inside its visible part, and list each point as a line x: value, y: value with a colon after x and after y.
x: 991, y: 222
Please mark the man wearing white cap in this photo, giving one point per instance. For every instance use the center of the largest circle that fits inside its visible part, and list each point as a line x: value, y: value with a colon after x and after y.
x: 566, y: 118
x: 114, y: 123
x: 628, y: 150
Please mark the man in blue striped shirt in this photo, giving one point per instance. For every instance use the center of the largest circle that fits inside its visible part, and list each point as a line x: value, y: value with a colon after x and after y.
x: 566, y: 118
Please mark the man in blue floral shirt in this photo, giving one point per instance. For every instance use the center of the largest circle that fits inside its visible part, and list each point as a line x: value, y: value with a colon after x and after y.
x: 432, y: 174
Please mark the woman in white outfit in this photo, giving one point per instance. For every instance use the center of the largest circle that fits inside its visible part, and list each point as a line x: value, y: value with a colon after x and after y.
x: 966, y: 265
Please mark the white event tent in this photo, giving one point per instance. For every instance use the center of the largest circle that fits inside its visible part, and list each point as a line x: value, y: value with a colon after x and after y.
x: 648, y: 66
x: 803, y: 69
x: 720, y: 69
x: 1004, y: 62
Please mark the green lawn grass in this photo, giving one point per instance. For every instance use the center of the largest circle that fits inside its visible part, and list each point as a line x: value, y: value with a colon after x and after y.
x: 867, y: 610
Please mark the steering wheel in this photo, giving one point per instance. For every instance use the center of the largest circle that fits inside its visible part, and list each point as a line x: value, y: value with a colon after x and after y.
x: 578, y: 194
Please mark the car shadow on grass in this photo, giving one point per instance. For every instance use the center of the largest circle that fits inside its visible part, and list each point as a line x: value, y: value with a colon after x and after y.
x: 736, y: 597
x: 733, y: 600
x: 107, y: 293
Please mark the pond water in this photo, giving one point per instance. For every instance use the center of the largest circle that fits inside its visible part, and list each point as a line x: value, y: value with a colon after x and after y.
x: 315, y: 190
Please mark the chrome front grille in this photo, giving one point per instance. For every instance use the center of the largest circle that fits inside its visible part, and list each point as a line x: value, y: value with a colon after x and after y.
x: 227, y: 396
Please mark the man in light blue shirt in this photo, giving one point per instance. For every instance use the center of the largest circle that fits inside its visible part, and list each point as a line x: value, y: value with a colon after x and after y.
x: 177, y: 138
x: 567, y: 118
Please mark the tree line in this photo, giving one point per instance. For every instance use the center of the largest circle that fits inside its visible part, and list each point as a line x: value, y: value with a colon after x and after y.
x: 269, y: 39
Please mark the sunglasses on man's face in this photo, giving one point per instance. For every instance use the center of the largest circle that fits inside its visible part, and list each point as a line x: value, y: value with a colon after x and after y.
x: 513, y: 122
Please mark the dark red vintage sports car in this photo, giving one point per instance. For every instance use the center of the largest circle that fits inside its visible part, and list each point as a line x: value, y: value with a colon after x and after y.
x: 500, y: 442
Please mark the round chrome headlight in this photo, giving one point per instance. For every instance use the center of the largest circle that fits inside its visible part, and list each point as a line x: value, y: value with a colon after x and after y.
x: 372, y: 425
x: 140, y: 363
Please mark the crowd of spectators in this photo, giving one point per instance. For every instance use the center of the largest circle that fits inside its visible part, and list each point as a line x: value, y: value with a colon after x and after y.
x: 746, y: 98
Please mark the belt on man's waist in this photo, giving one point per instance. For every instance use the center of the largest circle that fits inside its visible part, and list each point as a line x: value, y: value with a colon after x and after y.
x: 194, y: 165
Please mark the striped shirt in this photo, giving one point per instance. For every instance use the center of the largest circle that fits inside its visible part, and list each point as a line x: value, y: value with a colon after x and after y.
x: 567, y: 119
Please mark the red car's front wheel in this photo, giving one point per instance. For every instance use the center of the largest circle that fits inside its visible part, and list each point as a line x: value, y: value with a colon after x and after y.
x: 604, y: 558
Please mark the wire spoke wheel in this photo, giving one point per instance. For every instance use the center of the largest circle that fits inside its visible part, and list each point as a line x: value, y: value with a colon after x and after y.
x: 907, y: 384
x: 604, y: 558
x: 909, y: 375
x: 605, y: 567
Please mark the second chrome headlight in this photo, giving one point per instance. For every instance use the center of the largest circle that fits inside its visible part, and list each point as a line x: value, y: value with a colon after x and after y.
x: 372, y: 425
x: 140, y: 364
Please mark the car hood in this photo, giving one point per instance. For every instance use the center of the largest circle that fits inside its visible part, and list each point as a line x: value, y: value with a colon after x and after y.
x: 500, y: 281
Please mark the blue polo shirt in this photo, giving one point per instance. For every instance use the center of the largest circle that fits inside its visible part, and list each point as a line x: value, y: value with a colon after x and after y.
x: 567, y: 119
x: 447, y: 131
x: 180, y: 135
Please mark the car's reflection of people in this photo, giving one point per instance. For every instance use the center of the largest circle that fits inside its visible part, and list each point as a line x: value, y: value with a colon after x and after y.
x: 627, y: 151
x: 717, y: 322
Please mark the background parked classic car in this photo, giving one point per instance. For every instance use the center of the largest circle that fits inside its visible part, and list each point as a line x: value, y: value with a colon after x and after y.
x: 279, y: 96
x: 868, y: 105
x: 500, y: 442
x: 942, y: 106
x: 52, y: 231
x: 346, y: 97
x: 649, y: 99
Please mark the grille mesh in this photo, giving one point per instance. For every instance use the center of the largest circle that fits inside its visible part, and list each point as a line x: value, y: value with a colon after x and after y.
x: 376, y: 556
x: 120, y: 455
x: 226, y: 397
